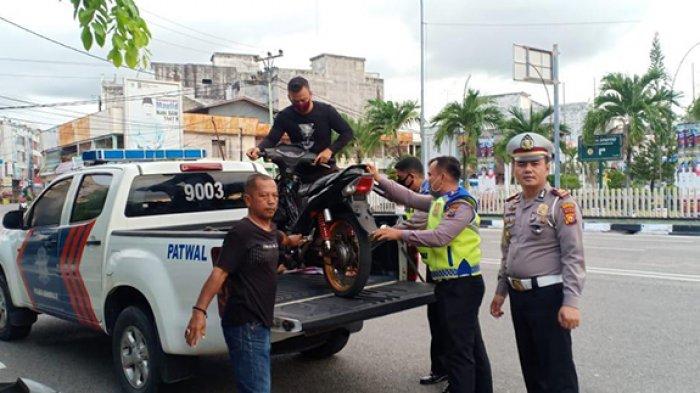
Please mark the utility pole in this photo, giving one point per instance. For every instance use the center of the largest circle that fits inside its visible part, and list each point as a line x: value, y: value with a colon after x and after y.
x: 240, y: 143
x: 692, y: 78
x: 423, y: 138
x: 557, y: 149
x: 268, y: 64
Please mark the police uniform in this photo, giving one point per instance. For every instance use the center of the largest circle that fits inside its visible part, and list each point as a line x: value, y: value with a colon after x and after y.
x: 542, y: 268
x: 417, y: 219
x: 453, y: 244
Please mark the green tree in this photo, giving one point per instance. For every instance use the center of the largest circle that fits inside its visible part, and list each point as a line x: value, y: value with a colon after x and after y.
x: 466, y: 119
x: 365, y: 143
x: 634, y: 103
x: 388, y: 117
x: 537, y: 122
x: 117, y: 22
x: 656, y: 62
x: 693, y: 111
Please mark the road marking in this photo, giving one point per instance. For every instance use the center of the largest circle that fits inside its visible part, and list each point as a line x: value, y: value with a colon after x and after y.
x: 2, y: 366
x: 624, y: 272
x: 615, y: 248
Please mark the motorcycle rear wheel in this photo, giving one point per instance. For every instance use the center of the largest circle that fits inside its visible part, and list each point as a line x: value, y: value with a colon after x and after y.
x: 347, y: 267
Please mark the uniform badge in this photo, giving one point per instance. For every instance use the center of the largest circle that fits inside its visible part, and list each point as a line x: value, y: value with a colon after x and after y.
x: 527, y: 143
x: 451, y: 210
x: 569, y: 210
x: 542, y: 209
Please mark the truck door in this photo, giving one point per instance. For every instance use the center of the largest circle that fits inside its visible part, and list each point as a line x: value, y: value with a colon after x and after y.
x: 82, y: 245
x: 38, y: 257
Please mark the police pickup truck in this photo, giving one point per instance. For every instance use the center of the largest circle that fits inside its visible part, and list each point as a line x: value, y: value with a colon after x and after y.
x: 124, y: 248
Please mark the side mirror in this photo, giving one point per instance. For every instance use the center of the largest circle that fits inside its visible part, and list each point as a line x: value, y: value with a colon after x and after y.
x: 13, y: 219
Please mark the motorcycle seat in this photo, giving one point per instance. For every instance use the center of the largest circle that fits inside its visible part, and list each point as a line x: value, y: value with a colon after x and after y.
x: 307, y: 189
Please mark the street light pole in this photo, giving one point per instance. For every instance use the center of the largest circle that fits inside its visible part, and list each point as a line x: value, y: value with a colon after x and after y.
x: 557, y: 149
x: 423, y: 138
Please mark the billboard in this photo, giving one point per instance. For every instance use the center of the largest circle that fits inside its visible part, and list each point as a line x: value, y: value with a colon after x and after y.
x: 152, y: 114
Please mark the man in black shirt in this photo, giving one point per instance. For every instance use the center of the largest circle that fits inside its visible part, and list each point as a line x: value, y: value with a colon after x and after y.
x: 309, y: 123
x: 245, y: 279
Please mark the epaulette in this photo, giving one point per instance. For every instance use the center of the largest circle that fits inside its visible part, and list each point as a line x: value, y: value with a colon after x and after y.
x: 560, y: 193
x: 510, y: 198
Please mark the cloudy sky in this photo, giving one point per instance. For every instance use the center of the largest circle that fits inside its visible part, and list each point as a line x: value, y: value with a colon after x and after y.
x: 464, y: 38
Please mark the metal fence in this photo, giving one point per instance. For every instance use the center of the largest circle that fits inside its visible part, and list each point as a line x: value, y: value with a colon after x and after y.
x: 620, y: 203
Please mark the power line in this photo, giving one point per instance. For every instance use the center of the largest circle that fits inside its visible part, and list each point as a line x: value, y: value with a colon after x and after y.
x: 49, y: 76
x: 531, y: 24
x: 184, y: 34
x: 55, y: 62
x: 197, y: 31
x: 61, y: 43
x: 180, y: 46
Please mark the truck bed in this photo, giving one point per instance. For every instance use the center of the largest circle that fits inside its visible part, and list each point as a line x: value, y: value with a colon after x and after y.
x: 308, y: 300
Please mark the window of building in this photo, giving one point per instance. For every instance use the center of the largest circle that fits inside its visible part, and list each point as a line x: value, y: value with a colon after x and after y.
x: 206, y: 81
x: 91, y: 197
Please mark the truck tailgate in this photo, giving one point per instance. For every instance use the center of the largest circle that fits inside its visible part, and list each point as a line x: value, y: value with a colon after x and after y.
x: 308, y: 301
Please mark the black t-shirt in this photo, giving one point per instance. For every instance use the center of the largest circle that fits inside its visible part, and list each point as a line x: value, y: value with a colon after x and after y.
x: 249, y: 255
x: 317, y: 126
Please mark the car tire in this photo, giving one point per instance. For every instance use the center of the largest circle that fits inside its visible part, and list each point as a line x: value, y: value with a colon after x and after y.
x: 335, y: 343
x: 137, y: 355
x: 8, y: 331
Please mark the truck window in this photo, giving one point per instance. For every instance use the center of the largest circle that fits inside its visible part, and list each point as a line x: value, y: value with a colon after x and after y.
x: 185, y: 193
x: 91, y: 197
x: 47, y: 209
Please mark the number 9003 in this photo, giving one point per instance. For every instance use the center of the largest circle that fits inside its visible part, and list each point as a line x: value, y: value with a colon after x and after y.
x: 203, y: 191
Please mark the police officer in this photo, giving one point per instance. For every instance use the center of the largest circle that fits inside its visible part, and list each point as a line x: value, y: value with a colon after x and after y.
x: 542, y: 269
x: 409, y: 173
x: 454, y: 256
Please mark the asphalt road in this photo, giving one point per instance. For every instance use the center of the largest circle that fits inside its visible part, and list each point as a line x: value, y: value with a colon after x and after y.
x: 640, y: 333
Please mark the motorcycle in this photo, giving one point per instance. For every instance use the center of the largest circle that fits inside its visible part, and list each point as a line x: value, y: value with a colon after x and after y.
x: 332, y: 213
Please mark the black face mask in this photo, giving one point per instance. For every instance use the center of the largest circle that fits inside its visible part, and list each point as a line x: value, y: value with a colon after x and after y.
x: 403, y: 181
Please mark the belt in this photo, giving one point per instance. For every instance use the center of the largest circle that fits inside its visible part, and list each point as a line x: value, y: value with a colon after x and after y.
x: 448, y: 274
x: 526, y: 284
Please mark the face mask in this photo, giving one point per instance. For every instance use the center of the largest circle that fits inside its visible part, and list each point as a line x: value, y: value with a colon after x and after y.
x: 404, y: 181
x: 302, y: 107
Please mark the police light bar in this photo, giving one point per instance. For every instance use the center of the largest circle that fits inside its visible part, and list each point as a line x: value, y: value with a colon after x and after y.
x: 128, y: 155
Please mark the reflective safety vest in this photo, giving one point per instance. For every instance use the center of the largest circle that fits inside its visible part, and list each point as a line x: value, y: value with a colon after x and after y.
x: 462, y: 256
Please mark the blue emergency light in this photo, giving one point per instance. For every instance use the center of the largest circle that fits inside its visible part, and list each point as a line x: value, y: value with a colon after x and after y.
x: 116, y: 155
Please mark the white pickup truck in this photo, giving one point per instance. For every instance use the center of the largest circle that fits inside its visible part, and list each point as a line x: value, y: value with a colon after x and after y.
x: 125, y: 248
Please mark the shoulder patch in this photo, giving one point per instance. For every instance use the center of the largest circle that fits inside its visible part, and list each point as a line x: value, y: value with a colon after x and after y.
x: 451, y: 209
x: 569, y: 211
x: 560, y: 193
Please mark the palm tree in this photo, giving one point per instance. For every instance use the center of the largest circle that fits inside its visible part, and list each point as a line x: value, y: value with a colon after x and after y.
x: 536, y: 122
x: 388, y: 117
x: 365, y: 142
x: 466, y: 119
x: 635, y: 102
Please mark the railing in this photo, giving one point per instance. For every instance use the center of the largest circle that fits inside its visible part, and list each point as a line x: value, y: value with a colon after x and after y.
x: 612, y: 203
x: 621, y: 203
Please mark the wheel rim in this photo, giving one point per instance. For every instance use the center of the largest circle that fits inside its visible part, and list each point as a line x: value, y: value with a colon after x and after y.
x: 3, y: 310
x: 135, y: 357
x: 341, y: 266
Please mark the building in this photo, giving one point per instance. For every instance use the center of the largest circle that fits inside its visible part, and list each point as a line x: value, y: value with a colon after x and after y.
x: 338, y: 80
x: 237, y: 107
x: 20, y: 155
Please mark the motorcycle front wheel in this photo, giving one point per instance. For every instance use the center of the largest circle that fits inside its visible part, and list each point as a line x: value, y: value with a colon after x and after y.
x: 348, y: 265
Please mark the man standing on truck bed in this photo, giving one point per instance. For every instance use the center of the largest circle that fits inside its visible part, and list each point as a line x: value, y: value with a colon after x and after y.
x: 454, y: 255
x: 245, y: 279
x: 309, y: 123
